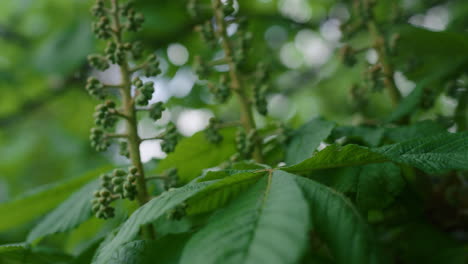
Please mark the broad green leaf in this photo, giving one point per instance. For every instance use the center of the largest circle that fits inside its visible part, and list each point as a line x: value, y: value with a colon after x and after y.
x: 35, y: 204
x: 22, y: 253
x: 267, y: 224
x: 378, y: 185
x: 432, y: 154
x: 148, y: 213
x: 306, y: 139
x: 335, y: 156
x: 68, y: 215
x: 339, y: 224
x: 219, y: 193
x: 194, y: 154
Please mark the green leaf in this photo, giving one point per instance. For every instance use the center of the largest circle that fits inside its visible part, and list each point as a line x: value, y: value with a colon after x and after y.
x: 71, y: 213
x: 306, y: 139
x: 236, y: 168
x: 335, y: 156
x: 267, y: 224
x: 22, y: 253
x: 378, y: 185
x: 194, y: 154
x: 148, y: 213
x: 340, y: 225
x: 35, y: 204
x: 219, y: 193
x: 432, y: 154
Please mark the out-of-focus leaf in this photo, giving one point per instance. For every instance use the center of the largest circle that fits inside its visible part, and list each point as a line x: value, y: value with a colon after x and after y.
x: 195, y: 153
x: 41, y: 200
x: 22, y: 253
x: 68, y: 215
x: 306, y: 139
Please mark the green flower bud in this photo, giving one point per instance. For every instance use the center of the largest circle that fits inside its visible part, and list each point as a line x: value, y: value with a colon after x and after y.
x: 156, y: 110
x: 119, y: 173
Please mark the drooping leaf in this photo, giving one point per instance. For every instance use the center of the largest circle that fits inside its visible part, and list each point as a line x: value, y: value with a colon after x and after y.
x: 35, y: 204
x: 149, y: 212
x: 72, y: 212
x: 335, y: 156
x: 219, y: 193
x: 306, y: 139
x: 378, y: 185
x: 194, y: 154
x: 267, y: 224
x: 432, y: 154
x: 22, y: 253
x: 339, y: 224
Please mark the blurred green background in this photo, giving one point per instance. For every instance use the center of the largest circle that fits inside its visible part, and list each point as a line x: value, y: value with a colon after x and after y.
x: 46, y: 114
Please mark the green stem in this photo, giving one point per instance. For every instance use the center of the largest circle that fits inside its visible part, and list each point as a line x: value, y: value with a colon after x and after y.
x: 131, y: 123
x: 246, y: 119
x: 387, y: 67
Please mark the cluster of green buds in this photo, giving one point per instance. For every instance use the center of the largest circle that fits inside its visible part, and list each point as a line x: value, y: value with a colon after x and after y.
x: 144, y: 91
x: 99, y: 140
x: 261, y: 89
x: 123, y: 149
x: 171, y: 180
x: 244, y: 144
x: 119, y: 184
x: 95, y: 88
x: 177, y: 212
x: 156, y: 110
x: 104, y: 116
x: 207, y: 33
x: 115, y: 52
x: 212, y: 131
x: 348, y: 55
x: 152, y: 66
x: 98, y: 61
x: 220, y: 90
x: 374, y: 78
x: 170, y: 138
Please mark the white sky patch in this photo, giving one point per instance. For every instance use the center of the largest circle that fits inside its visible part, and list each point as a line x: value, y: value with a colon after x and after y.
x: 435, y: 19
x: 182, y: 83
x: 191, y: 121
x: 315, y: 49
x: 297, y: 10
x: 403, y: 84
x: 372, y: 56
x: 151, y: 149
x: 290, y: 56
x: 177, y: 54
x: 330, y: 30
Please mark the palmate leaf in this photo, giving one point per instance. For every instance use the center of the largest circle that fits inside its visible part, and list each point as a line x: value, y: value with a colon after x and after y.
x: 433, y: 154
x: 219, y: 193
x: 22, y: 253
x: 266, y: 224
x: 149, y: 212
x: 194, y: 154
x: 31, y: 206
x: 74, y: 211
x: 446, y: 151
x: 340, y: 225
x: 335, y: 156
x: 306, y: 139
